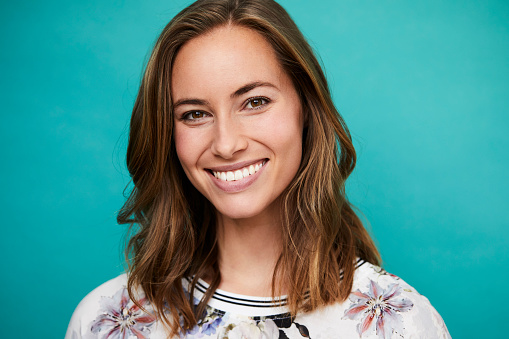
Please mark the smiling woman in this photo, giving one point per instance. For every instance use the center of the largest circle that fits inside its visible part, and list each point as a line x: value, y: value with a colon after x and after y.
x: 242, y: 229
x: 249, y: 116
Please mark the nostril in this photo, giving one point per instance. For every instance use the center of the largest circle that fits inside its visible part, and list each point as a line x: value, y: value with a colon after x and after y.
x: 227, y: 142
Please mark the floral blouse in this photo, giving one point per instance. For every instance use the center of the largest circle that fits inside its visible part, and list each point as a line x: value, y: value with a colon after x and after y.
x: 381, y: 305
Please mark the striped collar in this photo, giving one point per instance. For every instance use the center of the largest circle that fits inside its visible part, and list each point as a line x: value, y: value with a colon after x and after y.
x: 224, y: 301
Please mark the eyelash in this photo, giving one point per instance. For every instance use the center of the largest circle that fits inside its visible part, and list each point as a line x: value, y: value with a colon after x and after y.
x: 187, y: 115
x: 265, y: 101
x: 250, y: 100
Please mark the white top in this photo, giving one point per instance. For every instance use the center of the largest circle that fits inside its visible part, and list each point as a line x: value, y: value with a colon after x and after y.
x: 381, y: 305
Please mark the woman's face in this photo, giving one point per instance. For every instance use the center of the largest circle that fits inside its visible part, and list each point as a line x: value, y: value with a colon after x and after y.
x: 238, y: 121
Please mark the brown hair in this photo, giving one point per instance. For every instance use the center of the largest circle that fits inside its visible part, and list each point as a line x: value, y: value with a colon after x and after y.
x: 175, y: 238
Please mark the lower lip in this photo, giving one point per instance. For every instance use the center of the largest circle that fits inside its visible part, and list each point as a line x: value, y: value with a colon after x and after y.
x: 237, y: 185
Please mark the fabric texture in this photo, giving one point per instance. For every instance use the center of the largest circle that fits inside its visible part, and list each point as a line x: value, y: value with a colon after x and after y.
x: 381, y: 305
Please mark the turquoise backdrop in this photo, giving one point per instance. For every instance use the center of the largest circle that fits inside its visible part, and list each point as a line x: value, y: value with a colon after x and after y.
x: 423, y: 86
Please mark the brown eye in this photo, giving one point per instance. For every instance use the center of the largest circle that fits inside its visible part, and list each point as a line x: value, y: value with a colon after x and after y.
x: 193, y: 115
x: 196, y: 115
x: 256, y: 102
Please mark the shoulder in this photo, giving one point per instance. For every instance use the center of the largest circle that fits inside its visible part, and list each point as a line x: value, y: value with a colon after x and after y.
x: 107, y: 309
x: 380, y: 305
x: 385, y: 303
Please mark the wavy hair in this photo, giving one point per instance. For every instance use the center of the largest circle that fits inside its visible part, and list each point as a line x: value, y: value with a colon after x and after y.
x: 173, y: 225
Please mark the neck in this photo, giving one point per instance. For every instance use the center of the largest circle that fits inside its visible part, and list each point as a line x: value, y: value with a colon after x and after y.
x: 248, y: 252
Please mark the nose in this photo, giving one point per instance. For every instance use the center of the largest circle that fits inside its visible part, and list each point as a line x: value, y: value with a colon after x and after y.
x: 228, y: 138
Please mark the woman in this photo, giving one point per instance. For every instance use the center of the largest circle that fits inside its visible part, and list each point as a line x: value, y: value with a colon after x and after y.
x: 239, y: 158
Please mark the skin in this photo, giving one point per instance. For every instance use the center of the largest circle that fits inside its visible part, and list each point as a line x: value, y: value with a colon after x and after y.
x: 234, y: 105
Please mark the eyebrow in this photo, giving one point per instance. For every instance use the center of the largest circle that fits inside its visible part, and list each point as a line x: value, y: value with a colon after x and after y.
x: 243, y: 90
x: 246, y: 88
x: 190, y: 102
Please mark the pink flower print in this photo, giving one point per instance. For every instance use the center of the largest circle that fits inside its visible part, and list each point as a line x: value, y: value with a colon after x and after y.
x: 121, y: 318
x: 379, y: 306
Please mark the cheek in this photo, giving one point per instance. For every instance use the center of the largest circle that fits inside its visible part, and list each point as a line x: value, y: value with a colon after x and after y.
x: 283, y: 129
x: 185, y: 149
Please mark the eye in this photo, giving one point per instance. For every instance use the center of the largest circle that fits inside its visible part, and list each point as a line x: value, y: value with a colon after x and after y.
x: 255, y: 103
x: 193, y: 115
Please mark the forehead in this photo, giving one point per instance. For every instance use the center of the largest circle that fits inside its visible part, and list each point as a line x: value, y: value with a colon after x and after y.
x: 226, y: 58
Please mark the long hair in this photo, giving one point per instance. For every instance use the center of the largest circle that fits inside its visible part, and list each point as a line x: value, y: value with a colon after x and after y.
x: 174, y: 225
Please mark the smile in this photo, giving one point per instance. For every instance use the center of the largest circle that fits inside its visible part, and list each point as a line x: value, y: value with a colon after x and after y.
x: 240, y: 173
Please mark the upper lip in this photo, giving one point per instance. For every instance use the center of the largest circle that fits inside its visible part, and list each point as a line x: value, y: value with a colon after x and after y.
x: 235, y: 166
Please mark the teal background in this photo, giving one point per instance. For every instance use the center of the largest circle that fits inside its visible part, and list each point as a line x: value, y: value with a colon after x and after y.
x: 422, y: 85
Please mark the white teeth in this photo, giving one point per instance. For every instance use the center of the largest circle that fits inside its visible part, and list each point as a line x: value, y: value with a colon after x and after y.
x: 230, y: 176
x: 240, y: 173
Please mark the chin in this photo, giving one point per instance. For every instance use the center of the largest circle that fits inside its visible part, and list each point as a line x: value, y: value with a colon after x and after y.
x: 242, y: 211
x: 234, y: 213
